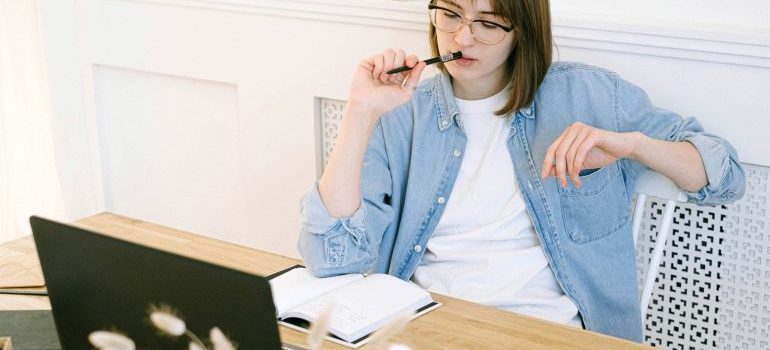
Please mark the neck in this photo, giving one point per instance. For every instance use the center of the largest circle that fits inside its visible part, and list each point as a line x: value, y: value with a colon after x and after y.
x: 476, y: 89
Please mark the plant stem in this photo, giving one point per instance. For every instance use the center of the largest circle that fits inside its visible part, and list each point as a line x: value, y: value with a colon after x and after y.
x: 195, y: 338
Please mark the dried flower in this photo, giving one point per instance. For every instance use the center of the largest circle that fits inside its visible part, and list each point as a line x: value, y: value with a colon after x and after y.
x: 166, y: 319
x: 111, y: 340
x: 219, y: 340
x: 320, y: 326
x: 168, y: 323
x: 393, y: 327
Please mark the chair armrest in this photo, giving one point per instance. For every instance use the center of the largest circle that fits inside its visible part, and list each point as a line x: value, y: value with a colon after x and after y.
x: 655, y: 184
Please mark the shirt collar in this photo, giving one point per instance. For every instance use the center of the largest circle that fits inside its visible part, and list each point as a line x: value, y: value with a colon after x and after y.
x: 447, y: 107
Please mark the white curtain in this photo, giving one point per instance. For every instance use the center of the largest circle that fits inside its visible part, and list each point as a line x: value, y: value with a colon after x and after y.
x: 29, y: 181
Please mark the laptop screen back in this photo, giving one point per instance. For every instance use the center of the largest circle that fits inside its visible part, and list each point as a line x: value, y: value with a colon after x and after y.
x: 96, y: 282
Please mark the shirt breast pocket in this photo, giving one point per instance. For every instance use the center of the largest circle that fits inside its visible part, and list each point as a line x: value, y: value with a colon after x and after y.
x: 598, y: 208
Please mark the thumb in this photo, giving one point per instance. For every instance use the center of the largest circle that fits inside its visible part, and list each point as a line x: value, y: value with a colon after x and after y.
x: 414, y: 76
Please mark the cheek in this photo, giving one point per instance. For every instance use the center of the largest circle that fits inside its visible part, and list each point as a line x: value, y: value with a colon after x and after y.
x: 504, y: 52
x: 509, y: 47
x: 444, y: 41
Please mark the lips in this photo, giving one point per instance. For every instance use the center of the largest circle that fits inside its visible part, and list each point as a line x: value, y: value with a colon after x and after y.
x: 465, y: 55
x: 464, y: 62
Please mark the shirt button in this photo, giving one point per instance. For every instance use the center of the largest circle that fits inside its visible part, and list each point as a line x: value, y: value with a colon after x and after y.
x: 445, y: 123
x: 441, y: 200
x: 456, y: 153
x: 529, y: 185
x: 417, y: 248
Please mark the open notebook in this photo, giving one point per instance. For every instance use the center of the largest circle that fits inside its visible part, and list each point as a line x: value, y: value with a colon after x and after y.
x: 363, y: 304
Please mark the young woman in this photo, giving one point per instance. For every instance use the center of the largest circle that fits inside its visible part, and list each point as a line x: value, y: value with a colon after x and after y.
x: 505, y: 179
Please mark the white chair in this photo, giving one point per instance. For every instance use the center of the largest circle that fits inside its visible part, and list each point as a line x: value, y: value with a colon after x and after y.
x: 651, y: 183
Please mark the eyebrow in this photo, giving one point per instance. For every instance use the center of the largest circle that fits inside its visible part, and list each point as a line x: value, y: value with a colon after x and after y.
x: 451, y: 2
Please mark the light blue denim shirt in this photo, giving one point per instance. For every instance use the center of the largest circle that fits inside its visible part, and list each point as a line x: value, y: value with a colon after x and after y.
x: 414, y: 155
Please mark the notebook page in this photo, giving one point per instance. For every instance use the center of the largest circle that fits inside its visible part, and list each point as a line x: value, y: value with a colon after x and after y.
x: 298, y: 286
x: 366, y: 305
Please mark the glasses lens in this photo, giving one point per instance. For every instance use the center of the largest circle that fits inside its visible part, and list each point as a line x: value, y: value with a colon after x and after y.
x: 450, y: 22
x: 487, y: 32
x: 444, y: 20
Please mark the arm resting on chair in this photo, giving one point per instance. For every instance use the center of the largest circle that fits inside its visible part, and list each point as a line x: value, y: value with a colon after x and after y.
x: 682, y: 162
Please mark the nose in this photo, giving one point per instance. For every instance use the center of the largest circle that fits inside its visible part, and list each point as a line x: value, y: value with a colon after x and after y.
x: 464, y: 36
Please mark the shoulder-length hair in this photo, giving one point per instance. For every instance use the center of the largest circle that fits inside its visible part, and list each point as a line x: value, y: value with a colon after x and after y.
x: 530, y: 58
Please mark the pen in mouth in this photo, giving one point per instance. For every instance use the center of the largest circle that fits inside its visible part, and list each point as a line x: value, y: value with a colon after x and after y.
x: 443, y: 58
x: 451, y: 56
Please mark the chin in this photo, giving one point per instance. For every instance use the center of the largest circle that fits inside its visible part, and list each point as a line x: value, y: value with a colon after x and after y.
x: 462, y: 73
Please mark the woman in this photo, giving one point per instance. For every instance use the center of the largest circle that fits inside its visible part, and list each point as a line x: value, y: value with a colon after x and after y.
x: 504, y: 180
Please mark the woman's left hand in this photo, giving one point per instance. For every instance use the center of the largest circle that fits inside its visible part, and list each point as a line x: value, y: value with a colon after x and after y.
x: 582, y: 146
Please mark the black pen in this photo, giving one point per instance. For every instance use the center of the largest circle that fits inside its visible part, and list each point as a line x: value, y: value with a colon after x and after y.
x: 23, y: 291
x: 443, y: 58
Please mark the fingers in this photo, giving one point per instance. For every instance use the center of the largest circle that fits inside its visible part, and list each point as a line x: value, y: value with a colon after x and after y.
x: 414, y: 77
x: 411, y: 61
x: 548, y: 163
x: 398, y: 61
x: 561, y: 155
x: 388, y: 57
x: 582, y: 150
x: 387, y: 60
x: 379, y: 66
x: 572, y: 166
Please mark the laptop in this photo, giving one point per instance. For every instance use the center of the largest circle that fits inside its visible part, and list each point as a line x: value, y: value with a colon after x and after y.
x: 100, y: 283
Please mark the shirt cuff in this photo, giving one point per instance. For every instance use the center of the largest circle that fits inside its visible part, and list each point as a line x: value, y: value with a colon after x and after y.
x: 317, y: 220
x: 716, y: 161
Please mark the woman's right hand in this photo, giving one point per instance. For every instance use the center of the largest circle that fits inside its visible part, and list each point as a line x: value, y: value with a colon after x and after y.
x: 372, y: 93
x: 375, y: 91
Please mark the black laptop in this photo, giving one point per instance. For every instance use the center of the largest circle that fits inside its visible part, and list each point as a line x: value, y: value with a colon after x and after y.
x: 96, y: 282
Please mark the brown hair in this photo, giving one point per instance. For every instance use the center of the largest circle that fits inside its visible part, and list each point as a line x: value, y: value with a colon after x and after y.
x: 531, y: 55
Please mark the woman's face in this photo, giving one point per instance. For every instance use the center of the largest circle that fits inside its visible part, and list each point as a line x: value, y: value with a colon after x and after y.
x: 480, y: 61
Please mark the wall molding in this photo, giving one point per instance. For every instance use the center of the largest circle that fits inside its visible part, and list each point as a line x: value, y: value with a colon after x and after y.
x: 745, y: 49
x: 409, y: 15
x: 719, y: 45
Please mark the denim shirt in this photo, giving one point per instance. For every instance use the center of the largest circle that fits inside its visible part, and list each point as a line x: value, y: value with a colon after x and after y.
x: 414, y: 155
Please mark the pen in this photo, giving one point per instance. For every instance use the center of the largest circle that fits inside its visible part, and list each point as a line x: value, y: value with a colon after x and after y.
x: 24, y: 291
x: 443, y: 58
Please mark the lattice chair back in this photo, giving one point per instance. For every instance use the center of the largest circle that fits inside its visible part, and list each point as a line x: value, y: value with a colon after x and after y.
x: 651, y: 183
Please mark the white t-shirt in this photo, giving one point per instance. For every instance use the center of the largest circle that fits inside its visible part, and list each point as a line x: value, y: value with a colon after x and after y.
x: 485, y: 248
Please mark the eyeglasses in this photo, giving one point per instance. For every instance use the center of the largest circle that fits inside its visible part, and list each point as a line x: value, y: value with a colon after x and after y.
x: 448, y: 21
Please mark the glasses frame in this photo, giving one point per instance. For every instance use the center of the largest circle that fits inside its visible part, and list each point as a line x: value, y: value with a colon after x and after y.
x: 466, y: 21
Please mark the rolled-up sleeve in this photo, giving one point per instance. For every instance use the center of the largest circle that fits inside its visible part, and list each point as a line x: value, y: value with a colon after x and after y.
x: 336, y: 245
x: 726, y: 178
x: 316, y: 220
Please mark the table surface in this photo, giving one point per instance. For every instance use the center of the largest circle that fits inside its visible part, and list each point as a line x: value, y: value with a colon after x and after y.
x: 458, y: 324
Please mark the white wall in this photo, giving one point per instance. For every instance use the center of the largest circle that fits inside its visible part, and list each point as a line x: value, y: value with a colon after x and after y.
x: 201, y: 111
x: 66, y: 47
x: 747, y: 16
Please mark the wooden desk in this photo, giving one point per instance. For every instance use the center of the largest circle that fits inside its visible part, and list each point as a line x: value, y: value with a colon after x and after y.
x: 457, y: 324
